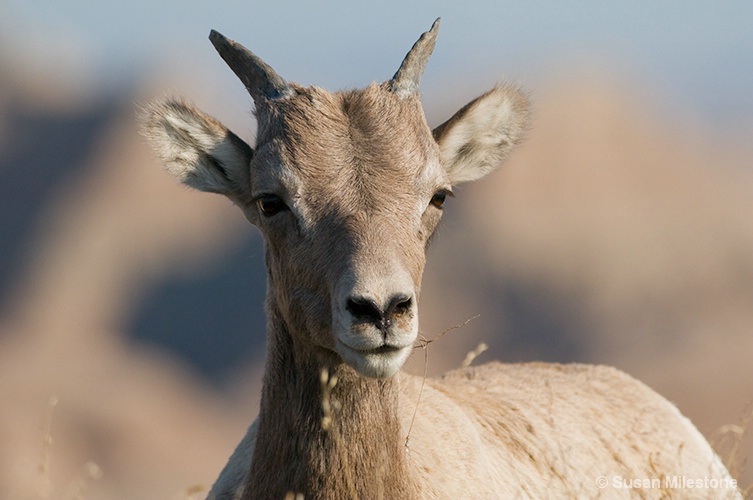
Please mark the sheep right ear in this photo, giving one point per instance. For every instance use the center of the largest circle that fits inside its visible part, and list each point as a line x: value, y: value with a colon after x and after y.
x: 197, y: 149
x: 479, y: 137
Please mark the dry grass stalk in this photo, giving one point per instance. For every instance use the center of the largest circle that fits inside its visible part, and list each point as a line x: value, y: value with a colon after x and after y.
x: 423, y: 343
x: 328, y: 404
x: 728, y: 441
x: 329, y: 407
x: 473, y: 355
x: 45, y: 488
x: 89, y: 471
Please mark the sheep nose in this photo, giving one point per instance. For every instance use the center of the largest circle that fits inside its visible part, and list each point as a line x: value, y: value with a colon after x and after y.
x: 366, y: 309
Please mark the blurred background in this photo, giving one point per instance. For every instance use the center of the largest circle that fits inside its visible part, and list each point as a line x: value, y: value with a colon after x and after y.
x: 131, y: 316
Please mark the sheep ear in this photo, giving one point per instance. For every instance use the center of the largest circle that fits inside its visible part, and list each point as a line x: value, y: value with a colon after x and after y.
x: 197, y: 149
x: 479, y: 137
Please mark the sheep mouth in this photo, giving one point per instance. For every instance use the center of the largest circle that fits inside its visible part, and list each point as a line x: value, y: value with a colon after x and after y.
x: 378, y: 362
x: 383, y: 349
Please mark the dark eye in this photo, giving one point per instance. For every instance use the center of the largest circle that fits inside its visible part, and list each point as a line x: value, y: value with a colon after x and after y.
x: 438, y: 199
x: 271, y: 204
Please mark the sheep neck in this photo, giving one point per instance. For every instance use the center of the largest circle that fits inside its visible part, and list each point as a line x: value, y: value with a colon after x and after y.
x: 360, y: 455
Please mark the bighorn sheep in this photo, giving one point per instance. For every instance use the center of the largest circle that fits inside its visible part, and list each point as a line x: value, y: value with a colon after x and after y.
x: 347, y: 189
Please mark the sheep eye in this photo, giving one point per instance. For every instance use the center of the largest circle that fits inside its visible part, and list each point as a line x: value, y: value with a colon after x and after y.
x: 438, y: 199
x: 271, y: 204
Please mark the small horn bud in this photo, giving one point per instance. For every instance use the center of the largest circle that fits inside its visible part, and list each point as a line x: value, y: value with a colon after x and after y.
x: 406, y: 80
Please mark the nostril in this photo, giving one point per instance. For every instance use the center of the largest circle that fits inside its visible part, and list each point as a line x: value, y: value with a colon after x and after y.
x: 399, y: 305
x: 364, y: 309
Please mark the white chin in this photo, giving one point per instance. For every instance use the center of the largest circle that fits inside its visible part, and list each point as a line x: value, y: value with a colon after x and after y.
x: 374, y: 364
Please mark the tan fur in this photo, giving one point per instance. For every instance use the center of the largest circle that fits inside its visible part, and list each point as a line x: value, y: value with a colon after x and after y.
x: 359, y: 173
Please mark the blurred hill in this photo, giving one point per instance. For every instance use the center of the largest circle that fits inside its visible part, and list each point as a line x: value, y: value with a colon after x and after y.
x: 618, y: 234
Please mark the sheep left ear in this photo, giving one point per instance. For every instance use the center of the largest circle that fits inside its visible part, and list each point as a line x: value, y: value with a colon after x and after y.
x: 197, y: 149
x: 479, y: 137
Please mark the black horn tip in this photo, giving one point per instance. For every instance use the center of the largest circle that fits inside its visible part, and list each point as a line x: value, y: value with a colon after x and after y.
x: 218, y: 39
x: 260, y: 79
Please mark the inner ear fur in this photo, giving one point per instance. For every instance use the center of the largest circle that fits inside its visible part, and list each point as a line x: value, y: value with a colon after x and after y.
x: 197, y: 149
x: 481, y: 135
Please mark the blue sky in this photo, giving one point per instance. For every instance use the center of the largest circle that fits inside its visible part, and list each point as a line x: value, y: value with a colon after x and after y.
x: 701, y: 51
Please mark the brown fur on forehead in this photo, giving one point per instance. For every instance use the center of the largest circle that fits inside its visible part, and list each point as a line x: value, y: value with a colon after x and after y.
x: 366, y: 132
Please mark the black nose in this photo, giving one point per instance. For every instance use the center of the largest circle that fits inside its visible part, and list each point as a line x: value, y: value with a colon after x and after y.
x: 367, y: 310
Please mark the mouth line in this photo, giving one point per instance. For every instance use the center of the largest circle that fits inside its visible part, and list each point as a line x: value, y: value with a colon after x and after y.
x: 382, y: 349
